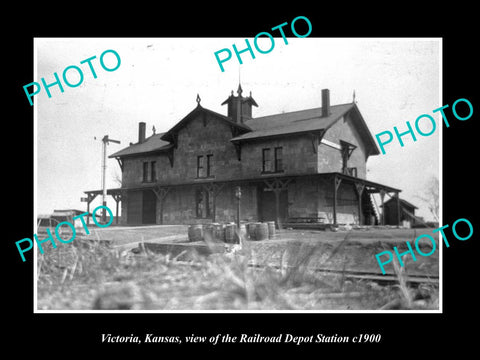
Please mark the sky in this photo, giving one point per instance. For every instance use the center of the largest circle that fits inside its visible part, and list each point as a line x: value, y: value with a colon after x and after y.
x: 395, y: 80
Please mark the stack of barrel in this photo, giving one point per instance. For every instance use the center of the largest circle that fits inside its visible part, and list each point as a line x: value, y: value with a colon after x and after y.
x: 261, y: 230
x: 227, y: 232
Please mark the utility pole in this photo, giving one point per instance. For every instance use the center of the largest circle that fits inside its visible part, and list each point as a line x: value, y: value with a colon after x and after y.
x: 105, y: 142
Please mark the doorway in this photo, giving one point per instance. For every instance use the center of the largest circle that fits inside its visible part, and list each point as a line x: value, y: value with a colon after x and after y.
x: 149, y: 206
x: 267, y: 206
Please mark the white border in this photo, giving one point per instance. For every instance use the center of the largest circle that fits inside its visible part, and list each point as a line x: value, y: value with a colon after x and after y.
x: 35, y: 168
x: 440, y: 178
x: 440, y: 154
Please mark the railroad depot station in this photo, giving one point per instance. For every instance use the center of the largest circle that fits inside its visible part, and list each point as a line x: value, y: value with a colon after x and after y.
x: 306, y: 166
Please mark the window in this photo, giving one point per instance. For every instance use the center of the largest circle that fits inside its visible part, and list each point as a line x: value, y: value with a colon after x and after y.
x: 205, y: 170
x: 274, y: 165
x: 203, y: 203
x: 149, y: 172
x: 278, y: 159
x: 200, y: 167
x: 209, y: 165
x: 145, y: 171
x: 153, y: 173
x: 266, y: 162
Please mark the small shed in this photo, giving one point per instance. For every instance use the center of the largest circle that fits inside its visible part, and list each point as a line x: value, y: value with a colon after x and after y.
x: 407, y: 212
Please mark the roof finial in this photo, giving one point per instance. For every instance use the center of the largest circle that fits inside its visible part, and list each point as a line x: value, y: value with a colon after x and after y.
x: 239, y: 90
x: 353, y: 101
x: 153, y: 129
x: 198, y: 100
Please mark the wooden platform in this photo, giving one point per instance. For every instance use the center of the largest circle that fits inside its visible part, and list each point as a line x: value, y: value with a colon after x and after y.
x: 307, y: 225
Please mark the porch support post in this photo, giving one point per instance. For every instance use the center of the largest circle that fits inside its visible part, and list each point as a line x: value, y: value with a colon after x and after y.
x: 215, y: 189
x: 360, y: 187
x: 277, y: 185
x: 276, y: 191
x: 117, y: 198
x: 90, y: 198
x: 336, y: 184
x: 382, y: 197
x: 161, y: 193
x: 88, y: 211
x: 214, y: 210
x: 398, y: 209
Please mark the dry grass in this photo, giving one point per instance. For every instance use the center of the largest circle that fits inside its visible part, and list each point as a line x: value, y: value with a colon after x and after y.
x: 91, y: 275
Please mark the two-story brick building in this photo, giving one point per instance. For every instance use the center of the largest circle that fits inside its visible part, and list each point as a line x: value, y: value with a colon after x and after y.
x: 307, y: 165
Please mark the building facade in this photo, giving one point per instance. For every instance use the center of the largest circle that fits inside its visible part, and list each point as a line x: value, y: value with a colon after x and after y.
x: 407, y: 216
x: 301, y: 166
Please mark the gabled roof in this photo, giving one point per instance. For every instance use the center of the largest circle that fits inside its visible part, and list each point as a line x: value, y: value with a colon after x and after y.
x: 302, y: 121
x: 293, y: 122
x: 163, y: 141
x: 402, y: 202
x: 168, y: 136
x: 153, y: 143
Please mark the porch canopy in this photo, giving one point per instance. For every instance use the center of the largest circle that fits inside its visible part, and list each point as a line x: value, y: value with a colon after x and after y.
x: 275, y: 182
x: 115, y: 193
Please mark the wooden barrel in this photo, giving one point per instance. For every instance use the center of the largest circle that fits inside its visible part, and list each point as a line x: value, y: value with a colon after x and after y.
x: 230, y: 230
x: 261, y: 231
x: 251, y: 229
x: 219, y: 232
x: 271, y: 229
x: 195, y: 232
x: 209, y: 232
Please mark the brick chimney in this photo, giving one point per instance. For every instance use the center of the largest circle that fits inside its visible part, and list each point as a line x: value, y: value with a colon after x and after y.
x: 141, y: 132
x: 325, y: 102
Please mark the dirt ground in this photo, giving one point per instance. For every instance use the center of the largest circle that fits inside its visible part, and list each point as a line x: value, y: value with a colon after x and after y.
x: 166, y: 272
x: 355, y: 250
